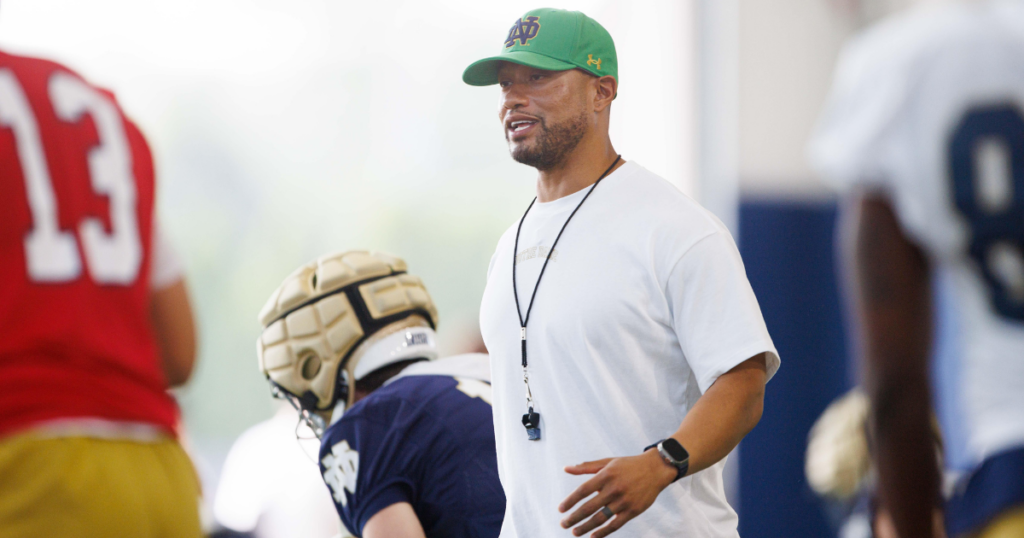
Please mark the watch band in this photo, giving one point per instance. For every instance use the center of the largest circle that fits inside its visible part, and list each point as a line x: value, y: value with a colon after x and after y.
x: 681, y: 467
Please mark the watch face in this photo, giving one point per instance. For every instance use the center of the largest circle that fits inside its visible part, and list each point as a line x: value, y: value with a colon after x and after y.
x: 675, y: 450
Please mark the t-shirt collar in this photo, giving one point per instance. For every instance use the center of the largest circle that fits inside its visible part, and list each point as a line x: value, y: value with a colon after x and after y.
x: 570, y: 200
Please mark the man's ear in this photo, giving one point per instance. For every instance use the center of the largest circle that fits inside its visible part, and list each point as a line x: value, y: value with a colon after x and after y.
x: 606, y: 87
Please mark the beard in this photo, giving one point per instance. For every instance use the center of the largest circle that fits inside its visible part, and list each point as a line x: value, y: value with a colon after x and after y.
x: 552, y: 144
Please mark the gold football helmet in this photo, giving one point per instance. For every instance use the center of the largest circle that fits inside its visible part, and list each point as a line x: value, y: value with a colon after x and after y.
x: 838, y: 458
x: 337, y: 319
x: 839, y: 462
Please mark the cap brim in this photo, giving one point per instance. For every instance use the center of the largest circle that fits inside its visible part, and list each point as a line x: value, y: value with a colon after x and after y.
x: 485, y: 72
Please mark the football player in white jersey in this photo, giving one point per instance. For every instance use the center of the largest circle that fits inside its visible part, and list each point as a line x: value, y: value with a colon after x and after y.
x: 924, y: 132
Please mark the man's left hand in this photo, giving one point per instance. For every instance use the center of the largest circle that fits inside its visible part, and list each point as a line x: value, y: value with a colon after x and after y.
x: 627, y: 486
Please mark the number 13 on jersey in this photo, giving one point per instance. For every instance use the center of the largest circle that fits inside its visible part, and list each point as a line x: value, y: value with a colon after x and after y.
x: 51, y: 253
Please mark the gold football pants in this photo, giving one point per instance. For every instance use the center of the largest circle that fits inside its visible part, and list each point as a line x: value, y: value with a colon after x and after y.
x: 81, y: 487
x: 1008, y: 525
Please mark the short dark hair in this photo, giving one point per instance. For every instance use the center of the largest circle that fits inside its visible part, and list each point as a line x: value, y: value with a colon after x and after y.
x: 376, y: 379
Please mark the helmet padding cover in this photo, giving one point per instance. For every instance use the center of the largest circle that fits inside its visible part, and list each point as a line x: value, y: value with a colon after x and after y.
x: 323, y: 310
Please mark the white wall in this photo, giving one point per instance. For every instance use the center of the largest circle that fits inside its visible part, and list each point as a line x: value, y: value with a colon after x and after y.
x: 787, y: 53
x: 763, y: 70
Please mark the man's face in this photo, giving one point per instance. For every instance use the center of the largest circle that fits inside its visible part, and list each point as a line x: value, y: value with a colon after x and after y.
x: 543, y: 113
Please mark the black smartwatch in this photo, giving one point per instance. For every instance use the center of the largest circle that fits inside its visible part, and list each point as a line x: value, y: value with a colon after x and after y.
x: 674, y: 454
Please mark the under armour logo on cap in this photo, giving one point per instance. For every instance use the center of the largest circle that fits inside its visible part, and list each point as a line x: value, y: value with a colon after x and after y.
x: 523, y: 30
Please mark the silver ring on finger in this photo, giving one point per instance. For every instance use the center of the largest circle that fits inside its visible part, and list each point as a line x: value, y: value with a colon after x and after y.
x: 607, y: 512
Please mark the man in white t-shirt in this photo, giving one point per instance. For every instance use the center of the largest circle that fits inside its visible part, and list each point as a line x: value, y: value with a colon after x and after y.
x: 924, y: 135
x: 634, y: 328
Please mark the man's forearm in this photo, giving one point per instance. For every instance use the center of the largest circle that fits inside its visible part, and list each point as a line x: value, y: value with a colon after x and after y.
x: 628, y: 486
x: 726, y: 413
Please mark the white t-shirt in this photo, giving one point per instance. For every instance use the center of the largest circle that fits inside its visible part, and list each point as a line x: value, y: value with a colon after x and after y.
x: 166, y: 268
x: 271, y: 486
x: 924, y: 106
x: 644, y: 304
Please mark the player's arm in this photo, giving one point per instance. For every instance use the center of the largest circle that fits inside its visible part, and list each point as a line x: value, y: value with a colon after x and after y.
x: 170, y: 311
x: 171, y: 315
x: 890, y: 281
x: 396, y: 521
x: 628, y: 486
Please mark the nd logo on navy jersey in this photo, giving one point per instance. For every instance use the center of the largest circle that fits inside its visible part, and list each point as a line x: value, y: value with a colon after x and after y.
x: 341, y: 471
x: 426, y: 440
x: 523, y: 30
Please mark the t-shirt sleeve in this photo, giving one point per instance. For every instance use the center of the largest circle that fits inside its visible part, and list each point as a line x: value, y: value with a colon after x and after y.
x: 851, y: 145
x: 166, y: 268
x: 714, y: 310
x: 369, y: 464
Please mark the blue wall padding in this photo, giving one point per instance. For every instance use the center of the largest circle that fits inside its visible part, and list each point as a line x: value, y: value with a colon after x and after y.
x: 788, y: 248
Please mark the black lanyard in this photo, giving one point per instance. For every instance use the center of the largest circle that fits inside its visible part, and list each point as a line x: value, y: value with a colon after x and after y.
x: 531, y: 420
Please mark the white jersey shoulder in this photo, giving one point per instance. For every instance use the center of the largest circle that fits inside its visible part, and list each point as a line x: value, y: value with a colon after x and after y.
x: 880, y: 73
x: 928, y: 108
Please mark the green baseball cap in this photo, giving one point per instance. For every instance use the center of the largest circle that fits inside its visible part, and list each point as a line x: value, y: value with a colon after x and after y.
x: 554, y: 40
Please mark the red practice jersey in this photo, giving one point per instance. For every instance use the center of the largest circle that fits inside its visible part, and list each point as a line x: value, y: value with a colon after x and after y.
x: 76, y: 219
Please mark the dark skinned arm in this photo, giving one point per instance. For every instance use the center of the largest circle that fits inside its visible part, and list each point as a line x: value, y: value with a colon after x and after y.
x: 891, y: 292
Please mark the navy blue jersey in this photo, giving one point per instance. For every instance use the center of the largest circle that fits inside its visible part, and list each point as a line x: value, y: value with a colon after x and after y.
x: 993, y: 489
x: 427, y: 440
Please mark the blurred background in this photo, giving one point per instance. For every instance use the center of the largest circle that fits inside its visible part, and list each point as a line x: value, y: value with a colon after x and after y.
x: 286, y: 130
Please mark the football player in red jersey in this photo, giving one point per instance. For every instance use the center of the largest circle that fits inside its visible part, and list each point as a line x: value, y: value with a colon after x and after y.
x: 95, y: 323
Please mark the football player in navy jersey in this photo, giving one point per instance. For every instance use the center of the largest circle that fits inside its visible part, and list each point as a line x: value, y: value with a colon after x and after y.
x: 407, y: 441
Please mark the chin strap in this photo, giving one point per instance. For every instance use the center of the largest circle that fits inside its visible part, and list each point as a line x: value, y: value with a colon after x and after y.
x: 337, y: 412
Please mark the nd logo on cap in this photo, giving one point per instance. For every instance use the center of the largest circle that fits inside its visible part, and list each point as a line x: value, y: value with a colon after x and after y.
x: 553, y: 40
x: 522, y: 30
